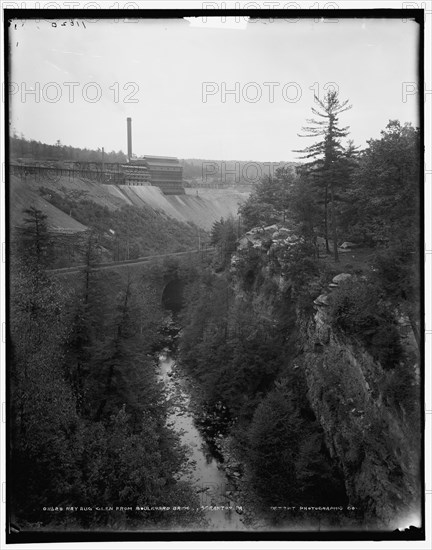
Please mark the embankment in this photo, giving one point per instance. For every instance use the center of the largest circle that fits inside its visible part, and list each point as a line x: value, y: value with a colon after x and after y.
x: 201, y: 207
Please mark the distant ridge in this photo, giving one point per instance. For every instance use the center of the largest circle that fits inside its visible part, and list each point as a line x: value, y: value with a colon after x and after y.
x: 229, y: 172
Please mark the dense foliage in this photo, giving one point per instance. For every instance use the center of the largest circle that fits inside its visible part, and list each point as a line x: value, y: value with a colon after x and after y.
x: 248, y: 325
x: 87, y: 411
x: 358, y: 309
x: 268, y: 202
x: 376, y: 192
x: 223, y: 236
x: 383, y: 202
x: 127, y: 232
x: 20, y: 147
x: 375, y: 205
x: 244, y: 364
x: 314, y: 419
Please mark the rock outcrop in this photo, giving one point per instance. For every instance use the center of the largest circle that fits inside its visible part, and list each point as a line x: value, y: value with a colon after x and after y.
x: 375, y: 446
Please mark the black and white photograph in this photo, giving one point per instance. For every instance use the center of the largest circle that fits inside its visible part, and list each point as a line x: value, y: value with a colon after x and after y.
x: 214, y: 274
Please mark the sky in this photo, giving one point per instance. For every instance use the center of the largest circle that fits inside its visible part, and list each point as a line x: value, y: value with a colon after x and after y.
x: 78, y: 83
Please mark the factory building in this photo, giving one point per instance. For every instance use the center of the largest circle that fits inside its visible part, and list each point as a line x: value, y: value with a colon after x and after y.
x: 136, y: 172
x: 166, y: 173
x: 163, y: 172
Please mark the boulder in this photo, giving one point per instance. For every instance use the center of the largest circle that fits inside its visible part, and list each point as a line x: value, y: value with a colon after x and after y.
x: 322, y: 300
x: 341, y: 277
x: 273, y: 227
x: 347, y: 244
x: 254, y: 230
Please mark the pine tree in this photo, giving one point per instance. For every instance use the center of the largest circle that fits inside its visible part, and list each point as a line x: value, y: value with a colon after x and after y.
x: 42, y: 406
x: 122, y: 373
x: 327, y: 154
x: 34, y: 241
x: 88, y: 310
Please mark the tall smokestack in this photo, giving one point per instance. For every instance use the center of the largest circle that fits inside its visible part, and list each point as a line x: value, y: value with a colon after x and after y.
x: 129, y: 138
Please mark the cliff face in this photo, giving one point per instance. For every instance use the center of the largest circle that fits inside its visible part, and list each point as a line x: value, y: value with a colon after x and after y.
x: 373, y: 444
x: 376, y: 445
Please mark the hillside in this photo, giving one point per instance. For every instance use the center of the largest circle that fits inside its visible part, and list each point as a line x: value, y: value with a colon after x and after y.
x: 202, y: 207
x: 129, y: 222
x: 23, y: 195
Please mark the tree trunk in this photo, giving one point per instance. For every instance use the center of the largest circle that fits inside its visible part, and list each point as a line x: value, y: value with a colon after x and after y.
x: 101, y: 407
x: 333, y: 224
x: 326, y: 219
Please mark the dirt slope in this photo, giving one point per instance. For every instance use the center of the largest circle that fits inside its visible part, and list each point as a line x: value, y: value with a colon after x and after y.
x: 23, y: 195
x: 202, y: 207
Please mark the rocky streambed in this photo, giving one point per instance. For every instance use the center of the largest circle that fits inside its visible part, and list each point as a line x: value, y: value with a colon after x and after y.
x: 210, y: 469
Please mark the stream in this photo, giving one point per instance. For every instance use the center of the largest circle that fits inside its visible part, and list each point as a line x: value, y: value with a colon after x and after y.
x: 212, y: 485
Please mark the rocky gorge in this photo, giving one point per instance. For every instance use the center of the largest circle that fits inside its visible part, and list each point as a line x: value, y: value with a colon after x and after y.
x: 363, y: 441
